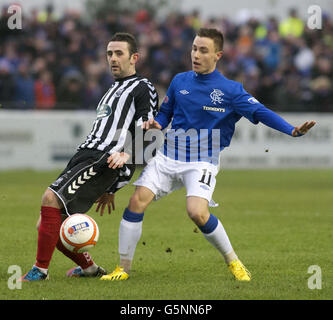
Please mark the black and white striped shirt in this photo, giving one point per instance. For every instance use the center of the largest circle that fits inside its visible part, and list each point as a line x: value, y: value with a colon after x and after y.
x: 129, y: 101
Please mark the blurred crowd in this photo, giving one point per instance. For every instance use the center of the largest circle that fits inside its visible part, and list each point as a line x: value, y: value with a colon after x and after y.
x: 60, y: 62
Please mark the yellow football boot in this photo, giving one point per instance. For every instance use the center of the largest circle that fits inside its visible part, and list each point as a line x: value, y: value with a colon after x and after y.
x: 117, y: 274
x: 239, y: 271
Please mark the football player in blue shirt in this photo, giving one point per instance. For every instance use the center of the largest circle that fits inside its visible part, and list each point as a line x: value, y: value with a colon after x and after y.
x: 203, y: 107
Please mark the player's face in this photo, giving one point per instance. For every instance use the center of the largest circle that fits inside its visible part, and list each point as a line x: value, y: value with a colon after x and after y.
x: 204, y: 55
x: 121, y: 63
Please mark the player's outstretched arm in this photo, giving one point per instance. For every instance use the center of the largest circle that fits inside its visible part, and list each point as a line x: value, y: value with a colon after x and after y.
x: 274, y: 121
x: 151, y: 124
x: 303, y: 129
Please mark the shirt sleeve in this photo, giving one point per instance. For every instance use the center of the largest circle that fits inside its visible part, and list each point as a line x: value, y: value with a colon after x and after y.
x: 165, y: 114
x: 250, y: 108
x: 146, y: 102
x: 273, y: 120
x: 244, y: 104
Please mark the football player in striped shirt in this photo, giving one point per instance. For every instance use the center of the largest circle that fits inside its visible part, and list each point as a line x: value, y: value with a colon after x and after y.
x: 203, y: 107
x: 99, y: 168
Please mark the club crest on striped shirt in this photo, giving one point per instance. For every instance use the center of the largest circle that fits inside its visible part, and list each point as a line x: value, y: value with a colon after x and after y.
x: 104, y: 110
x: 119, y: 92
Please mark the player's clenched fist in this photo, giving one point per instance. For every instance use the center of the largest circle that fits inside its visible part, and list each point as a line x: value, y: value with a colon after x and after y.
x: 151, y: 124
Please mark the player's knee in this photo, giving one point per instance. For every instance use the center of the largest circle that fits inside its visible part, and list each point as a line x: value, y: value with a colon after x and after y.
x: 199, y: 218
x: 49, y: 199
x: 197, y: 214
x: 139, y: 201
x: 136, y: 203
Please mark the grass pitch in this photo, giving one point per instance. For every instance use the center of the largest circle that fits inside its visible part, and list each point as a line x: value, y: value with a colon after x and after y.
x: 279, y: 222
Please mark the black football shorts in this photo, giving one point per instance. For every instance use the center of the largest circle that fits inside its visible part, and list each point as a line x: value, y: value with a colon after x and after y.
x: 86, y: 177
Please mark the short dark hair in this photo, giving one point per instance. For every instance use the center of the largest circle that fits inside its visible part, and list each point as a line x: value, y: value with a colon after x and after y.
x: 126, y: 37
x: 214, y: 34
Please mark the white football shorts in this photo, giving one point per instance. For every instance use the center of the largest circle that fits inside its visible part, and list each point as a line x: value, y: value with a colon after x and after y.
x: 162, y: 175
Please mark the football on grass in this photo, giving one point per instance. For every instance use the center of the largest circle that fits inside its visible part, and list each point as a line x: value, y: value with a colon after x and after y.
x: 79, y: 233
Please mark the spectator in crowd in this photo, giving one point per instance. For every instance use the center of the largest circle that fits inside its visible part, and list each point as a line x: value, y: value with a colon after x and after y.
x: 45, y: 91
x: 24, y: 88
x: 92, y: 94
x: 7, y: 85
x: 292, y: 26
x: 71, y: 92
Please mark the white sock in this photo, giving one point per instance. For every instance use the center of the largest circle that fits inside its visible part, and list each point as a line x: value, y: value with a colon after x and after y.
x: 45, y: 271
x: 219, y: 239
x: 129, y: 236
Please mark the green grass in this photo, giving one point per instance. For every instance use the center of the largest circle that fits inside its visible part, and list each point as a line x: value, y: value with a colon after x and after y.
x: 279, y: 222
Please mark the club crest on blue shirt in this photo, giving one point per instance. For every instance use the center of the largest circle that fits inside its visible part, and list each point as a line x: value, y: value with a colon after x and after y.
x: 166, y: 99
x: 104, y: 110
x: 216, y: 96
x: 252, y: 100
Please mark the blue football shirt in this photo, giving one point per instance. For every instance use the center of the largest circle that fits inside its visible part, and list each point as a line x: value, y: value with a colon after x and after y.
x: 204, y: 109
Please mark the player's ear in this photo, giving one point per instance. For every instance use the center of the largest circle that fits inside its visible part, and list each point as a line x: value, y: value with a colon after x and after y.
x: 134, y: 58
x: 219, y: 55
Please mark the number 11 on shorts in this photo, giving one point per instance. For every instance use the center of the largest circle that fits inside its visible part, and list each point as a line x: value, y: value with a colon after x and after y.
x: 203, y: 178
